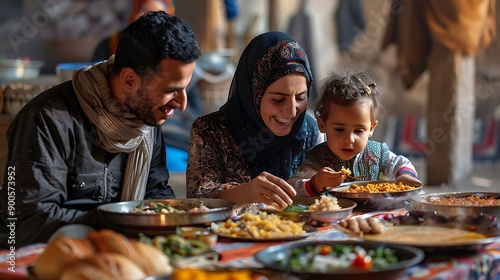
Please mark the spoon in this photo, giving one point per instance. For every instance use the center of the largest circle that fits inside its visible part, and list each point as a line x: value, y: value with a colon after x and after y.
x: 246, y: 229
x: 355, y: 177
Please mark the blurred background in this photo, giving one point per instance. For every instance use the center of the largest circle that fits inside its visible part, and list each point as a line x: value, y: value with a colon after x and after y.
x: 338, y: 35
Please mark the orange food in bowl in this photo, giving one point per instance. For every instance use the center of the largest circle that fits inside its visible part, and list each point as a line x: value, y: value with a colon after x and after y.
x: 194, y: 273
x: 380, y: 188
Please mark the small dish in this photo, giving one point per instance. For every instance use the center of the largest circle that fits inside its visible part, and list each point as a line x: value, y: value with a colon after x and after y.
x: 198, y: 233
x: 346, y: 208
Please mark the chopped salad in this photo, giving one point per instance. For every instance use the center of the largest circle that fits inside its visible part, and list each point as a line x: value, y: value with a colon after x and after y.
x: 325, y: 258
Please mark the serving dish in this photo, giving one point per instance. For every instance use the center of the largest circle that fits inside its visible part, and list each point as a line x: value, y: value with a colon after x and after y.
x: 278, y: 257
x: 427, y: 203
x: 437, y: 234
x: 309, y: 230
x: 346, y: 206
x: 376, y: 201
x: 120, y: 216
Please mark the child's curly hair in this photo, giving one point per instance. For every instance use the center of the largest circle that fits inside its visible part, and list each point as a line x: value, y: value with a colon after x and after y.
x: 346, y: 91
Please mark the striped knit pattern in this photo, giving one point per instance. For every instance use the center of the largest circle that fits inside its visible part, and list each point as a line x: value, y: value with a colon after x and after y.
x: 118, y: 131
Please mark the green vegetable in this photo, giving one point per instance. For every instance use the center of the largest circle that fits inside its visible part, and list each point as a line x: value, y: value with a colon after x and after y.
x: 175, y: 246
x: 296, y: 208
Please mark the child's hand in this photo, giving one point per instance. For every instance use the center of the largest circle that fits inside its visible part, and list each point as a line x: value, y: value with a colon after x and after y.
x: 327, y: 177
x: 408, y: 178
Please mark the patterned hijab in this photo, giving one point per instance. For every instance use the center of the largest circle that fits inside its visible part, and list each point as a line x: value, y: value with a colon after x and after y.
x: 267, y: 58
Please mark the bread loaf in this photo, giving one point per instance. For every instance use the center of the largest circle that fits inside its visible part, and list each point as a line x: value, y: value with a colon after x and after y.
x: 151, y: 259
x: 103, y: 266
x: 108, y: 241
x: 60, y: 253
x: 102, y: 255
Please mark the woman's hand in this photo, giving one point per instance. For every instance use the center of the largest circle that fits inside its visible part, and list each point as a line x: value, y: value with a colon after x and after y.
x: 270, y: 190
x: 327, y: 177
x: 408, y: 178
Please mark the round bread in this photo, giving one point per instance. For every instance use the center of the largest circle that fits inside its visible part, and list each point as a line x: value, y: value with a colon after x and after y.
x: 108, y: 241
x: 59, y: 253
x: 103, y: 266
x: 151, y: 259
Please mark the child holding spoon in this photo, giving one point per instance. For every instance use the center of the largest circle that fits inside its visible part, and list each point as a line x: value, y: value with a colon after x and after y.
x: 348, y: 112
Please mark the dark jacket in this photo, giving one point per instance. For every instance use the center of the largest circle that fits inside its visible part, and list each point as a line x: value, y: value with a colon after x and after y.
x: 57, y: 173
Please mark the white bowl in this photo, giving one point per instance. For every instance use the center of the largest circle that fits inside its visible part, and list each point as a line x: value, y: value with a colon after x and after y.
x: 14, y: 69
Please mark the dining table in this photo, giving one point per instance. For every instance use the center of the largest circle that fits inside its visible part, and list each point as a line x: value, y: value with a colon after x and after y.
x: 483, y: 264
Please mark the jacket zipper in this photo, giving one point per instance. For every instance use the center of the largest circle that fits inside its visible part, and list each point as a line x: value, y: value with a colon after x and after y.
x: 105, y: 184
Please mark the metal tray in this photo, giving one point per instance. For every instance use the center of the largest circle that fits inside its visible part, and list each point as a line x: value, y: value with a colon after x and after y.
x: 120, y: 217
x: 346, y: 206
x: 376, y: 201
x: 409, y: 256
x: 483, y: 224
x: 424, y: 203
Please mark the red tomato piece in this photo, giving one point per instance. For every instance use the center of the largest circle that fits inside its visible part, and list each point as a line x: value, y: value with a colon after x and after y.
x: 363, y: 262
x: 325, y: 250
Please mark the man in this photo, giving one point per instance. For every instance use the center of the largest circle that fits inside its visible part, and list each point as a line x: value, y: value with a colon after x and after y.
x: 97, y: 139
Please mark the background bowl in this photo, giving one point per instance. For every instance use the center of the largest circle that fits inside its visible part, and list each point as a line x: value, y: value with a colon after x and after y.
x: 14, y: 69
x: 424, y: 203
x: 346, y: 206
x: 64, y: 71
x: 376, y: 201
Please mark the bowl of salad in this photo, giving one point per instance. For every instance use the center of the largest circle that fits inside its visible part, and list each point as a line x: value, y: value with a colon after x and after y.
x: 340, y: 259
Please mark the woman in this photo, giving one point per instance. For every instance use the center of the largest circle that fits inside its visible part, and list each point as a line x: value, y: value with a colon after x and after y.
x: 247, y: 150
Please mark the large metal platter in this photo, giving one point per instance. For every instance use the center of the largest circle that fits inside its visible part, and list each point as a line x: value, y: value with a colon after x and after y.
x: 408, y: 256
x: 376, y: 201
x: 120, y: 216
x: 346, y: 206
x: 424, y: 203
x: 433, y: 233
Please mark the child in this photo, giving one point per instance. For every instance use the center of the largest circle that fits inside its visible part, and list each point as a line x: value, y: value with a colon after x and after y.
x: 347, y: 112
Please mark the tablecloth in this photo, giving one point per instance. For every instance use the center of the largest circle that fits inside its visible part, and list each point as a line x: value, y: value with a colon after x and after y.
x: 480, y: 265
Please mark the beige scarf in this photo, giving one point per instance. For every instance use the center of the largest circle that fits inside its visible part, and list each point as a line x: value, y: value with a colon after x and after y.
x: 118, y: 131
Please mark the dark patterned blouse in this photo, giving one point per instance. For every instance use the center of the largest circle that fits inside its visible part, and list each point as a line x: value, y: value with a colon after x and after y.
x: 215, y: 162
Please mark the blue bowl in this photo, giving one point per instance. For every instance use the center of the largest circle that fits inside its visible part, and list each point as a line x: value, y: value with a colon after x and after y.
x: 64, y: 71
